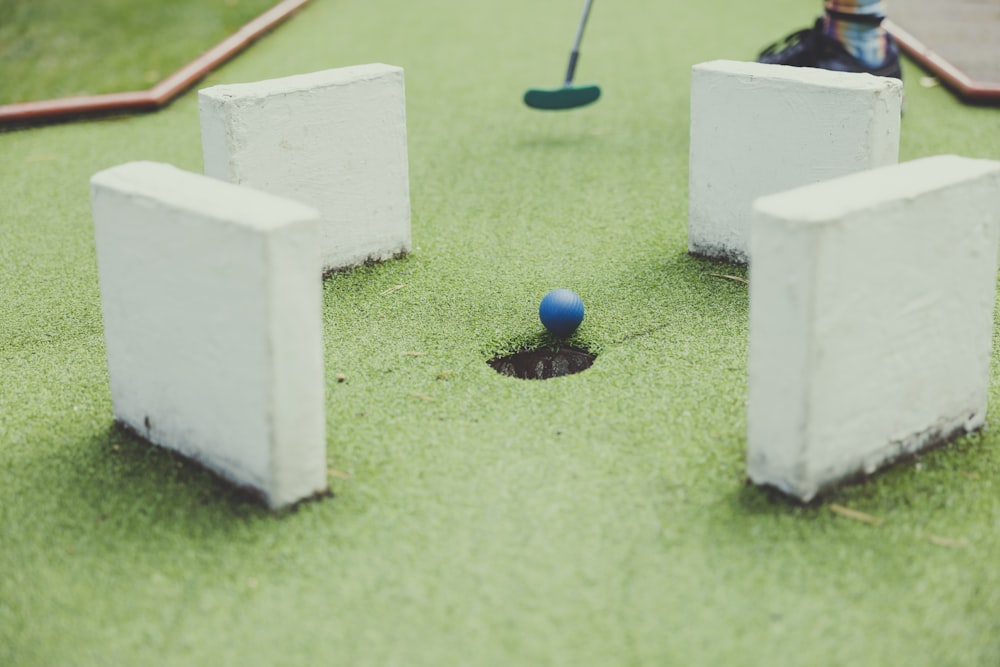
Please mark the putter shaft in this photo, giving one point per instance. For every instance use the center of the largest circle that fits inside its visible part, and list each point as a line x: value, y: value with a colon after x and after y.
x: 575, y: 54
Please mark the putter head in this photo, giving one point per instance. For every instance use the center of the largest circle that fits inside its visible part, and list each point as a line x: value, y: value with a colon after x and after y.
x: 566, y: 97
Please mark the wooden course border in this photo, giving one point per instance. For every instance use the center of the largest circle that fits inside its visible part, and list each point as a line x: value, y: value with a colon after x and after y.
x: 162, y: 93
x: 970, y: 90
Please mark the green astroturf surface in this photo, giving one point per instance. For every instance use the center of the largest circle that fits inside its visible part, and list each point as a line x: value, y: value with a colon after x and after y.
x: 598, y: 519
x: 61, y: 48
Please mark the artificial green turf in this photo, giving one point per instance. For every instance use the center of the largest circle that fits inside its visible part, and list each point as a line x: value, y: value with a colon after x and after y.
x: 601, y: 518
x: 59, y: 48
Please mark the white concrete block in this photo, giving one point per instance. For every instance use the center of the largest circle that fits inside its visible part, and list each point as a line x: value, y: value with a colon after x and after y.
x: 213, y: 324
x: 759, y: 129
x: 335, y: 140
x: 871, y: 319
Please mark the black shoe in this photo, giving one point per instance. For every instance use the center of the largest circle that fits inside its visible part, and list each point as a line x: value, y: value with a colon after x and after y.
x: 812, y: 48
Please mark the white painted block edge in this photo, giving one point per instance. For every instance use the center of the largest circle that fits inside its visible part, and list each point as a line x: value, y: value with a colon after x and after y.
x: 296, y: 417
x: 775, y: 457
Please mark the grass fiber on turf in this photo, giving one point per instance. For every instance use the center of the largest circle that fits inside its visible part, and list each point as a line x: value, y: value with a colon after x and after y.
x: 601, y: 518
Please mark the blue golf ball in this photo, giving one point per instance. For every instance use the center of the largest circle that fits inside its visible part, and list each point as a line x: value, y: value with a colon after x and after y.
x: 561, y: 311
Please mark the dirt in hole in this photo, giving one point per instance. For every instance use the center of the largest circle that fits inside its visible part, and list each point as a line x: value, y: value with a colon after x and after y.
x: 543, y: 364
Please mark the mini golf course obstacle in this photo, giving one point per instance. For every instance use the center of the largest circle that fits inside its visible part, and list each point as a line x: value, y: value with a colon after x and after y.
x: 212, y: 320
x: 759, y: 129
x: 335, y: 140
x: 218, y: 354
x: 871, y: 319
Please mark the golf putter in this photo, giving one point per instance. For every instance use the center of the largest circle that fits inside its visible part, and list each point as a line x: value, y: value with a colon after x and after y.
x: 568, y: 96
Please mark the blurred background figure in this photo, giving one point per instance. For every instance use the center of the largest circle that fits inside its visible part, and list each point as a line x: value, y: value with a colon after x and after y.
x: 849, y: 37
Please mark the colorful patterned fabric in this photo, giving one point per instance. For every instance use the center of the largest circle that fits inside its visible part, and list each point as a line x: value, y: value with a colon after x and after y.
x: 854, y: 23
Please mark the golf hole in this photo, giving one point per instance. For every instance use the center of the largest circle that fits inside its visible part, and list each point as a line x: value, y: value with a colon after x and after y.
x: 543, y: 364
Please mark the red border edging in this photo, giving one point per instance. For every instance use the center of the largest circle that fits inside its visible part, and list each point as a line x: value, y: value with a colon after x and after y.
x: 162, y: 93
x: 966, y: 87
